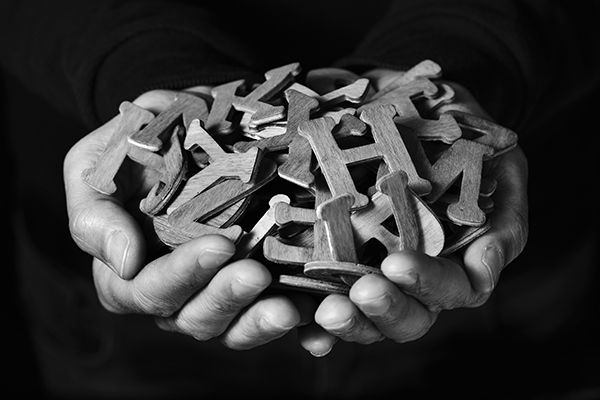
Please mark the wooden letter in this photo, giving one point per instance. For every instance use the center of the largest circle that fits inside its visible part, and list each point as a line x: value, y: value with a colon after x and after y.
x: 332, y: 160
x: 101, y: 176
x: 266, y: 225
x: 222, y: 165
x: 172, y: 176
x: 395, y: 187
x: 186, y: 107
x: 464, y: 158
x: 220, y: 196
x: 499, y: 138
x: 173, y: 236
x: 276, y: 79
x: 220, y: 112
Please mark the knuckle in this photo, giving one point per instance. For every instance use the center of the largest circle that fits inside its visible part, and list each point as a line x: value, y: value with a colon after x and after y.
x: 106, y: 293
x: 193, y: 328
x: 222, y: 306
x: 79, y: 221
x: 109, y: 303
x: 152, y: 305
x: 417, y: 329
x: 519, y: 232
x: 342, y: 329
x: 479, y: 299
x: 235, y: 344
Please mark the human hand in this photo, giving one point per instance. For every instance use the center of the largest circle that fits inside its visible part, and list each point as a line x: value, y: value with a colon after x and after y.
x: 192, y: 290
x: 405, y: 301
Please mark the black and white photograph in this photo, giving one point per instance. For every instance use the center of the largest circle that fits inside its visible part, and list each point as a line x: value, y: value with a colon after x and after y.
x: 278, y: 199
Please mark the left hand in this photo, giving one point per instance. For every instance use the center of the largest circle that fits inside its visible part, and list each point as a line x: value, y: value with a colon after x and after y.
x: 404, y: 303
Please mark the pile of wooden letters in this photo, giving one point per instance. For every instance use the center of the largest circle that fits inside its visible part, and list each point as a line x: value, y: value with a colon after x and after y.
x: 321, y: 187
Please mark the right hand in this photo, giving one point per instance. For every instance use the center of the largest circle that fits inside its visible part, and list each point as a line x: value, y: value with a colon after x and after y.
x: 192, y: 290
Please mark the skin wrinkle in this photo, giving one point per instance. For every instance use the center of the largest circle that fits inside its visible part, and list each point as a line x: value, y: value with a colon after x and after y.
x: 248, y: 330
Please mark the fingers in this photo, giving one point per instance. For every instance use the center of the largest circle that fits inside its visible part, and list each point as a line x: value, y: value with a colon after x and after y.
x: 264, y: 321
x: 438, y: 283
x: 210, y: 311
x: 164, y: 285
x: 98, y: 223
x: 442, y: 283
x: 268, y: 319
x: 341, y: 318
x: 316, y: 340
x: 396, y: 315
x: 486, y: 257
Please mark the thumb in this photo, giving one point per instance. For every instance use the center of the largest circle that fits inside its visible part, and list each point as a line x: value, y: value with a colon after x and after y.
x: 99, y: 224
x: 485, y: 258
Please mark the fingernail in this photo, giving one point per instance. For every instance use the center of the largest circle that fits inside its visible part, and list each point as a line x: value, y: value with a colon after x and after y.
x: 118, y: 245
x: 493, y: 260
x: 245, y: 288
x: 213, y: 258
x: 338, y: 326
x: 321, y: 354
x: 405, y: 278
x: 376, y: 306
x: 269, y: 325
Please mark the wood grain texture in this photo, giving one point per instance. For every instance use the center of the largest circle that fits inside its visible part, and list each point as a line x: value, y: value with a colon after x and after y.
x: 220, y: 196
x: 173, y: 236
x: 390, y: 146
x: 440, y: 207
x: 263, y: 228
x: 335, y: 213
x: 321, y: 244
x: 499, y: 138
x: 337, y: 260
x: 425, y: 69
x: 337, y: 114
x: 230, y: 215
x: 270, y: 131
x: 285, y: 214
x: 410, y: 90
x: 297, y: 166
x: 368, y: 224
x: 352, y: 93
x: 280, y: 253
x: 349, y: 125
x: 311, y: 285
x: 444, y: 129
x: 146, y: 158
x: 276, y: 251
x: 332, y: 160
x: 186, y: 107
x: 175, y: 169
x: 222, y: 165
x: 101, y: 176
x: 463, y: 159
x: 395, y: 187
x: 253, y: 103
x: 297, y: 235
x: 335, y: 271
x: 445, y: 95
x: 219, y: 118
x: 299, y: 108
x: 305, y: 90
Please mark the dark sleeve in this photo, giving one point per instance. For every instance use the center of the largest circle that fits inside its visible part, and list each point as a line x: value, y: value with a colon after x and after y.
x: 85, y: 57
x: 511, y: 54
